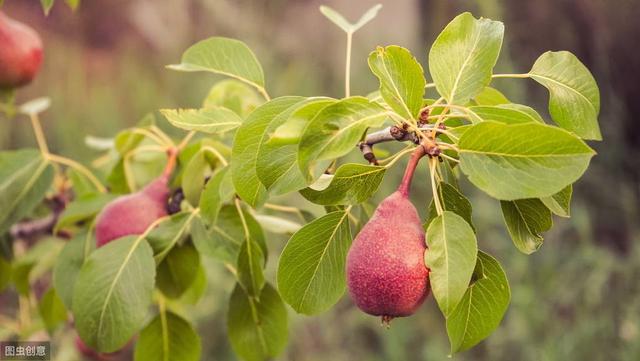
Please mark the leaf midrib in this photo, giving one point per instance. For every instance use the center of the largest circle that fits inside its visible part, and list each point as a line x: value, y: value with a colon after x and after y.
x: 36, y: 175
x: 115, y: 281
x: 534, y: 75
x: 395, y: 89
x: 464, y: 64
x: 507, y: 155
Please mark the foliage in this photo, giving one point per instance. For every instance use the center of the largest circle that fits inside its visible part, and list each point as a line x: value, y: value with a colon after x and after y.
x: 244, y: 148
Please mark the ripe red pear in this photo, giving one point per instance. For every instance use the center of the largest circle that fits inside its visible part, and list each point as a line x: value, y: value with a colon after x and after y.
x: 20, y: 53
x: 386, y: 274
x: 134, y: 213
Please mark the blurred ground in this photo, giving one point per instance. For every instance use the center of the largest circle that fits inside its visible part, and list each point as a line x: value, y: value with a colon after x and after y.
x: 577, y: 298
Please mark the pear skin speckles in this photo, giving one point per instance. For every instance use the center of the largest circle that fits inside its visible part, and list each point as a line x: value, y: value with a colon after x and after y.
x: 386, y: 273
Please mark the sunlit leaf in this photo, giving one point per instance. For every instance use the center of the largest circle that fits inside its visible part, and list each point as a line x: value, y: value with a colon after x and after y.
x: 462, y: 58
x: 351, y: 184
x: 519, y: 161
x: 451, y: 258
x: 224, y: 56
x: 311, y: 271
x: 335, y: 131
x: 574, y: 96
x: 277, y: 166
x: 244, y: 154
x: 401, y: 79
x: 210, y: 120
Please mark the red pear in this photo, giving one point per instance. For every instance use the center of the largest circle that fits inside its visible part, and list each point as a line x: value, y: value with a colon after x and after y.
x: 20, y: 53
x: 134, y: 213
x: 386, y: 273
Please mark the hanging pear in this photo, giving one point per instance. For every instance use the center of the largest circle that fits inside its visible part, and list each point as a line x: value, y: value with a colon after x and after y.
x: 134, y: 213
x: 20, y: 53
x: 386, y: 273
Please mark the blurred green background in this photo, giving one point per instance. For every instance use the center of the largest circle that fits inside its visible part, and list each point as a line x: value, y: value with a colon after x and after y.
x: 577, y: 298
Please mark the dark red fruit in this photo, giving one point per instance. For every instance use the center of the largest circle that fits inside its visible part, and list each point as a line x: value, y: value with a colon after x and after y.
x: 134, y: 213
x: 20, y: 53
x: 386, y: 273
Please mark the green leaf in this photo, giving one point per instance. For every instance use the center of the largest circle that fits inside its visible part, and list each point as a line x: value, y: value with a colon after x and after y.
x: 526, y: 219
x: 277, y: 225
x: 482, y: 307
x: 81, y: 185
x: 522, y: 160
x: 250, y: 265
x: 73, y: 4
x: 219, y: 189
x: 311, y: 272
x: 223, y: 240
x: 490, y: 96
x: 83, y: 208
x: 257, y: 327
x: 462, y: 58
x: 277, y: 164
x: 211, y: 120
x: 168, y: 233
x: 451, y: 258
x: 194, y: 176
x: 5, y: 273
x: 197, y: 289
x: 168, y: 337
x: 401, y: 79
x: 36, y: 263
x: 560, y: 203
x: 289, y: 126
x: 127, y: 140
x: 507, y: 113
x: 46, y: 5
x: 574, y: 96
x: 451, y: 200
x: 224, y: 56
x: 69, y: 263
x: 335, y: 131
x: 178, y: 270
x: 25, y: 177
x: 351, y: 184
x: 234, y: 95
x: 52, y: 310
x: 113, y: 293
x: 244, y: 153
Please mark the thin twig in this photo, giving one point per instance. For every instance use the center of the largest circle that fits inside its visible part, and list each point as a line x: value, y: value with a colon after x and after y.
x: 80, y: 168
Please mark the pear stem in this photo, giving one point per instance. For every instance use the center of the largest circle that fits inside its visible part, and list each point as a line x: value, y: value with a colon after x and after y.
x: 172, y: 154
x: 405, y: 185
